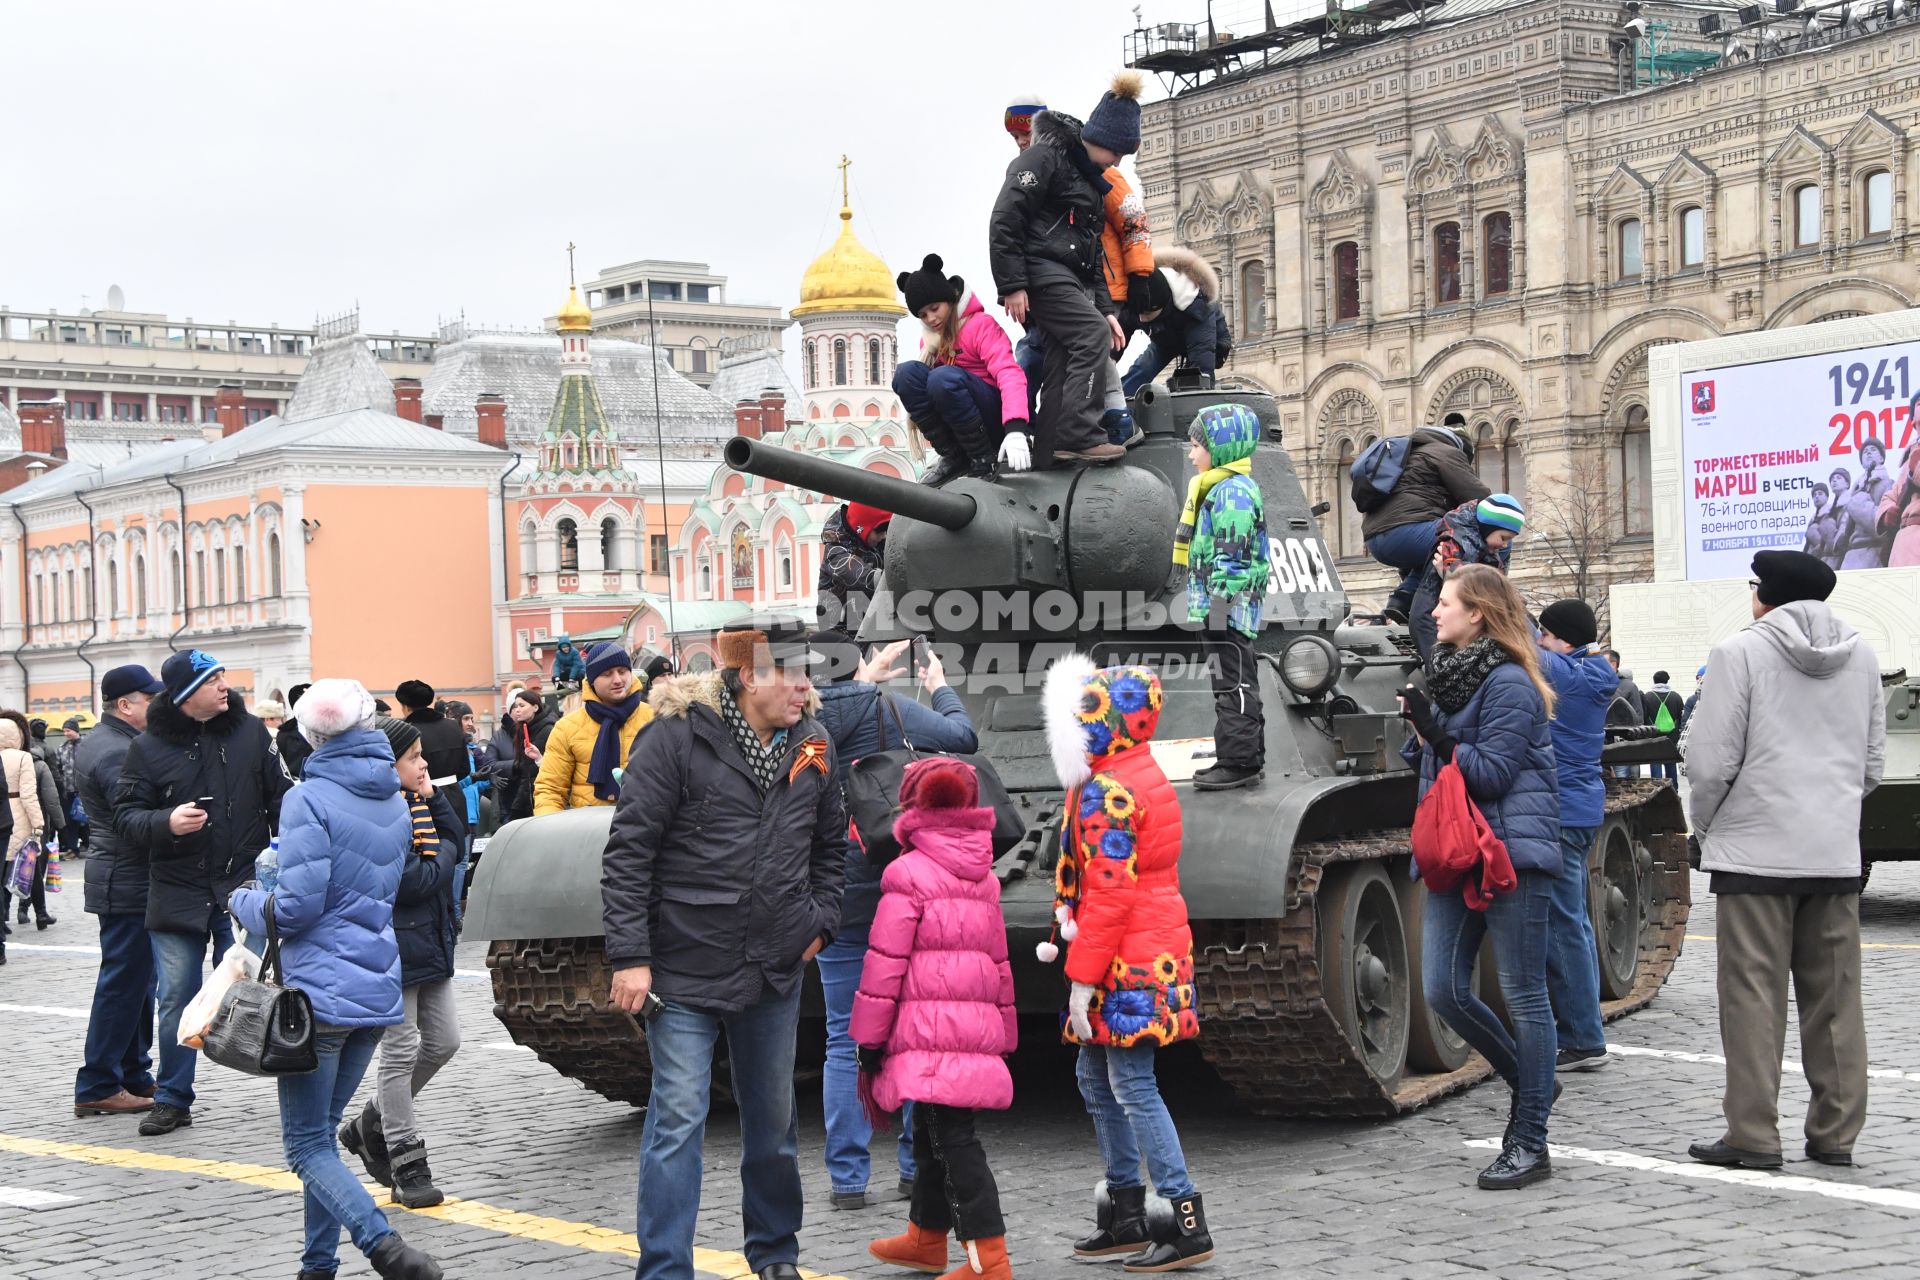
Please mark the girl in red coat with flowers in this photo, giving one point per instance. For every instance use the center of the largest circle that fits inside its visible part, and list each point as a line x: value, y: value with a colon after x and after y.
x: 934, y: 1017
x: 1129, y: 950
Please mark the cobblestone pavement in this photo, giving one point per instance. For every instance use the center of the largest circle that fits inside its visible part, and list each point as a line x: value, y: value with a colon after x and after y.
x: 544, y: 1172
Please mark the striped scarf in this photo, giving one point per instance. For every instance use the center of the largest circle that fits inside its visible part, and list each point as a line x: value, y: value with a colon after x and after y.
x: 426, y: 839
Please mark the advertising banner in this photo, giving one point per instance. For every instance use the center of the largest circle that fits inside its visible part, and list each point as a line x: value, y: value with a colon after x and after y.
x: 1814, y: 453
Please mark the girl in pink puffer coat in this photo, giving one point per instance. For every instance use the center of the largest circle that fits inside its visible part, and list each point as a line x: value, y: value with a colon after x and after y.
x: 934, y: 1016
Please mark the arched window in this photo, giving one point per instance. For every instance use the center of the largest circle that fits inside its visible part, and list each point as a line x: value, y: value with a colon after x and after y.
x: 873, y: 362
x: 200, y: 578
x: 813, y: 363
x: 239, y: 574
x: 1346, y: 280
x: 597, y: 451
x: 273, y: 564
x: 706, y: 576
x: 1636, y: 474
x: 1631, y: 256
x: 113, y: 588
x: 610, y: 545
x: 139, y: 586
x: 1446, y: 263
x: 1499, y: 459
x: 569, y: 534
x: 1253, y: 299
x: 569, y: 453
x: 1693, y: 236
x: 786, y: 567
x: 1496, y: 235
x: 1877, y: 190
x: 1806, y: 216
x: 839, y: 362
x: 219, y: 575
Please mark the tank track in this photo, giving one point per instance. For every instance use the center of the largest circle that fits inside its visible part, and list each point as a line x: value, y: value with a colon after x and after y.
x: 1266, y: 1027
x: 1667, y: 887
x: 551, y: 995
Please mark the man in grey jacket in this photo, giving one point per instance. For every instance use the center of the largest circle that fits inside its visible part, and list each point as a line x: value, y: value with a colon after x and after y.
x: 721, y: 880
x: 1787, y: 740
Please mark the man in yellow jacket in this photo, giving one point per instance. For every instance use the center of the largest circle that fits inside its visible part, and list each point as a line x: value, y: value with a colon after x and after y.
x: 587, y: 750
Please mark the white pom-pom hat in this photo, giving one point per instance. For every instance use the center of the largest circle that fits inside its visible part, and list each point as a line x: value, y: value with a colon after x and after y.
x: 331, y: 707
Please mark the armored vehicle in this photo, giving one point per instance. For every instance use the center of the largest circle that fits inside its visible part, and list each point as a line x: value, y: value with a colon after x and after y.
x: 1890, y: 815
x: 1306, y: 921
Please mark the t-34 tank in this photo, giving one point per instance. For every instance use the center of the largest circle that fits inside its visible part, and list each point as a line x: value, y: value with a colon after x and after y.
x: 1306, y: 923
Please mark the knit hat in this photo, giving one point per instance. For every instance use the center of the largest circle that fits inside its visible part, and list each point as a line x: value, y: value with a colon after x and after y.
x: 1787, y: 576
x: 1502, y: 511
x: 414, y: 694
x: 293, y: 694
x: 400, y: 734
x: 74, y: 723
x: 604, y: 657
x: 331, y: 707
x: 1020, y: 113
x: 183, y: 673
x: 1572, y: 621
x: 1115, y: 121
x: 927, y: 286
x: 866, y: 521
x: 939, y: 782
x: 457, y: 709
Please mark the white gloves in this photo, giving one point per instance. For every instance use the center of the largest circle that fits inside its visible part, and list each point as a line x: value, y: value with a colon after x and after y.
x: 1015, y: 455
x: 1077, y: 1004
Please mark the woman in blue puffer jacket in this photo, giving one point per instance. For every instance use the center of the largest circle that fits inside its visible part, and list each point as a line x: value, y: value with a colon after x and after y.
x: 1489, y: 715
x: 344, y: 835
x: 851, y: 712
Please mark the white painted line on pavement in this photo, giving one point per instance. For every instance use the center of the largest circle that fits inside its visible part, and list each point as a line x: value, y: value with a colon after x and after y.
x: 33, y: 1198
x: 53, y: 948
x: 1714, y: 1059
x: 505, y: 1046
x: 45, y: 1010
x: 1885, y: 1197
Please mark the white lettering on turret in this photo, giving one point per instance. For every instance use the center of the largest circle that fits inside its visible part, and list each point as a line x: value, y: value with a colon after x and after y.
x: 1298, y: 565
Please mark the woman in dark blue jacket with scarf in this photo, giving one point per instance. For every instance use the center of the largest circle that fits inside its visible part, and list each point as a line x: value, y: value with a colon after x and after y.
x: 851, y: 712
x: 344, y: 833
x: 1489, y: 715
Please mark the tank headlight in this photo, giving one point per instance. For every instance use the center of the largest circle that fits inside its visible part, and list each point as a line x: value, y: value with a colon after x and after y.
x: 1309, y: 665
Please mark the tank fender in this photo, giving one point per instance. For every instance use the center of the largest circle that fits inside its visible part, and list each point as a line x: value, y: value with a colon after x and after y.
x: 540, y: 878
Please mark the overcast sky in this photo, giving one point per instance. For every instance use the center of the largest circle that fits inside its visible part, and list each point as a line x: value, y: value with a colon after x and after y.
x: 270, y: 162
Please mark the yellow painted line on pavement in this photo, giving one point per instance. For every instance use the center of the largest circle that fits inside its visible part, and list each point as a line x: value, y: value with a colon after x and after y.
x: 468, y: 1213
x: 1865, y: 946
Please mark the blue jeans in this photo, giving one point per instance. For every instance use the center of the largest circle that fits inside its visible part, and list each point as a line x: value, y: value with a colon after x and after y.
x: 1407, y: 548
x: 177, y: 959
x: 958, y: 412
x: 119, y: 1053
x: 848, y: 1133
x: 1130, y: 1117
x: 1667, y: 769
x: 1030, y: 353
x: 760, y: 1043
x: 1144, y: 369
x: 1518, y: 923
x: 311, y: 1106
x: 1573, y: 964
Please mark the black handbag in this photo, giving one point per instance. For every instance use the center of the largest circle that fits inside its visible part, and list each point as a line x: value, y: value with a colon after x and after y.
x: 264, y: 1028
x: 873, y: 793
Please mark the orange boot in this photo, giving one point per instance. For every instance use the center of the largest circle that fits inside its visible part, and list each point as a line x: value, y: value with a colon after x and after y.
x: 917, y: 1250
x: 986, y: 1260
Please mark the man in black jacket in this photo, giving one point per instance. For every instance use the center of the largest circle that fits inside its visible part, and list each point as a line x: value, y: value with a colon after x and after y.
x: 117, y: 1075
x: 442, y: 741
x: 200, y: 793
x: 1044, y: 249
x: 721, y: 880
x: 1402, y: 531
x: 294, y: 749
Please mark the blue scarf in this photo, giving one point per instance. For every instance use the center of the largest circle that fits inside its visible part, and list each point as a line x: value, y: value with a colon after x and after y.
x: 610, y: 716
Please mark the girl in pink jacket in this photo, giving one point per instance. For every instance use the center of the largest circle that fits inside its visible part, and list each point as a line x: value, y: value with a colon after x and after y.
x: 934, y: 1016
x: 965, y: 393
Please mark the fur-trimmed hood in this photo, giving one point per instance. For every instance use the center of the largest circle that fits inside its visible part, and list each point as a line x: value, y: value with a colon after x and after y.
x: 675, y: 696
x: 1091, y: 713
x: 168, y: 722
x: 1184, y: 265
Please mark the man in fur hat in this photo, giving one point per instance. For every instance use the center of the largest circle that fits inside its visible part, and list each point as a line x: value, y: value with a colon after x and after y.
x: 721, y: 880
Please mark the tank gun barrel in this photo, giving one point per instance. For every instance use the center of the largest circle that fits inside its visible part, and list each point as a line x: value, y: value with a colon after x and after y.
x: 901, y: 497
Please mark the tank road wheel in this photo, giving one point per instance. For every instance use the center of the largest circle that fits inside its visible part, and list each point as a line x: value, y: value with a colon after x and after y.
x: 1432, y: 1045
x: 1614, y: 902
x: 1364, y: 972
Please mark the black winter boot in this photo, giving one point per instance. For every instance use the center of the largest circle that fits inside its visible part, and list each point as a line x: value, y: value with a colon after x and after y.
x: 1120, y: 1224
x: 412, y: 1180
x: 364, y: 1137
x: 952, y: 459
x: 395, y: 1259
x: 971, y: 437
x: 1185, y: 1244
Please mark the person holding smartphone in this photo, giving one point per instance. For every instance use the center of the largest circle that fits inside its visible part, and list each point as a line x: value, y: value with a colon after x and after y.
x: 200, y: 794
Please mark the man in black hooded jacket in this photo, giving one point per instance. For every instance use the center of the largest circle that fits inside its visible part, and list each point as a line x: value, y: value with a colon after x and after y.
x: 442, y: 741
x: 200, y: 791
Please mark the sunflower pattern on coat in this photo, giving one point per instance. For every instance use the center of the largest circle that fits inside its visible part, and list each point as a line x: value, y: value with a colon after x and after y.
x: 1116, y: 884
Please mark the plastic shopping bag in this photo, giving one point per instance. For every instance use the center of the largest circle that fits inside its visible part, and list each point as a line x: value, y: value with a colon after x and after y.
x: 20, y: 873
x: 53, y: 874
x: 239, y: 964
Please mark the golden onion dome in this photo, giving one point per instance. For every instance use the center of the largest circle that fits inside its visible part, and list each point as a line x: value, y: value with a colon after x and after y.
x: 574, y: 315
x: 848, y: 277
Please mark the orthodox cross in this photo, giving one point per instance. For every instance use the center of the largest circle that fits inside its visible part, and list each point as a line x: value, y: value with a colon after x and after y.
x: 569, y: 264
x: 842, y: 166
